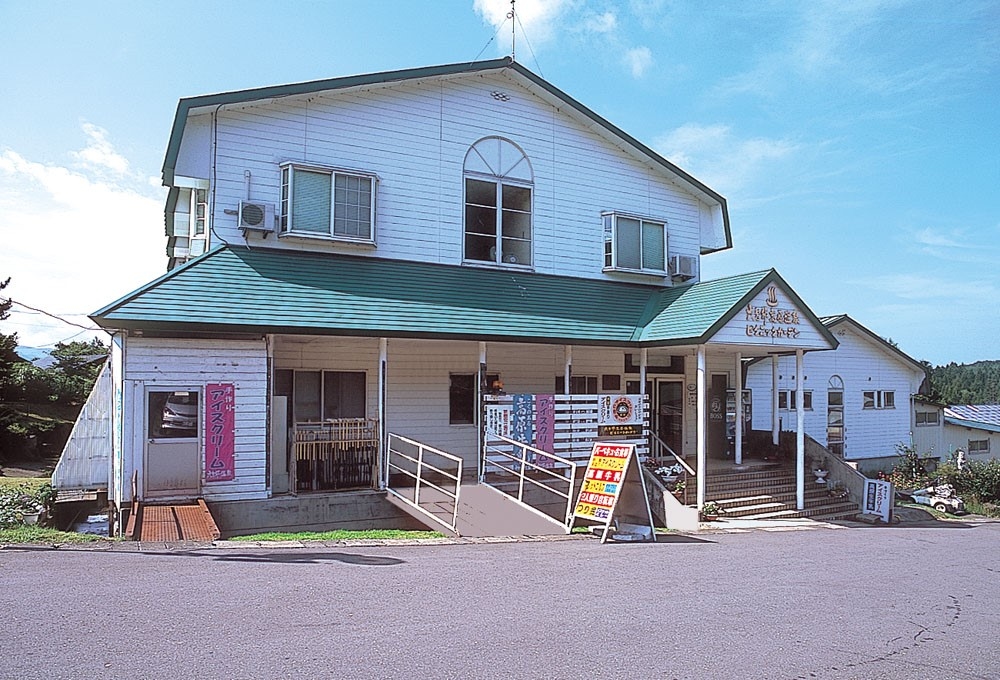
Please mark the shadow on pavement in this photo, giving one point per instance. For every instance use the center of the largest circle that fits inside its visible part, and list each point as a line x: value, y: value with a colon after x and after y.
x: 290, y: 557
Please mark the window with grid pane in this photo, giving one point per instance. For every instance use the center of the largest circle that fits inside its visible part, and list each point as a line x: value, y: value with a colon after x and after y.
x: 325, y: 202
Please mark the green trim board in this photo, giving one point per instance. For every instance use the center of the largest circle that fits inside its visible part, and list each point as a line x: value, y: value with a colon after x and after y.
x: 187, y: 104
x: 234, y: 289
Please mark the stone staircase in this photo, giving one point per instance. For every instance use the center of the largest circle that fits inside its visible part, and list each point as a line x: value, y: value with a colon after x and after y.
x: 768, y: 492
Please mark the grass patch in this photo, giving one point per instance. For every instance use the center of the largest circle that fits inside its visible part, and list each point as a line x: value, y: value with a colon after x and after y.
x: 340, y: 535
x: 36, y: 534
x: 31, y: 484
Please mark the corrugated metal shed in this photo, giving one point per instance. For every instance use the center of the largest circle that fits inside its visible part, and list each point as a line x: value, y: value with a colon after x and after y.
x: 279, y: 291
x: 85, y: 459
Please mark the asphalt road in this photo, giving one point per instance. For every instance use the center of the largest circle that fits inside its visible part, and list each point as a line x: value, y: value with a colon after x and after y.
x: 882, y: 602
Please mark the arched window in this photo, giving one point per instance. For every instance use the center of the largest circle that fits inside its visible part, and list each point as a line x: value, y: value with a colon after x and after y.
x: 498, y: 186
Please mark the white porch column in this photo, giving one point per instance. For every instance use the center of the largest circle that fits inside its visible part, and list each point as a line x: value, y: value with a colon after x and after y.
x: 568, y: 373
x: 478, y: 416
x: 643, y: 359
x: 800, y: 440
x: 775, y: 420
x: 702, y: 447
x: 739, y: 408
x: 383, y: 432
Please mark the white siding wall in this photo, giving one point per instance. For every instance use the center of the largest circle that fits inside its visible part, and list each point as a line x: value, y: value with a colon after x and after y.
x: 957, y: 437
x: 415, y: 137
x: 169, y: 363
x: 929, y: 439
x: 863, y: 366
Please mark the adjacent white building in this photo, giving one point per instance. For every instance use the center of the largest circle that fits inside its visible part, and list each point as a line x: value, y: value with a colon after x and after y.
x: 858, y: 400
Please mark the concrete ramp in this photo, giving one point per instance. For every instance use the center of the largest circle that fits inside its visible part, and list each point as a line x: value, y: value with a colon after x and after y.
x: 482, y: 512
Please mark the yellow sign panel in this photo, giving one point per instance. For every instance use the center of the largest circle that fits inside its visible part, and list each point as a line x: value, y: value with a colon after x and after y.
x: 602, y: 482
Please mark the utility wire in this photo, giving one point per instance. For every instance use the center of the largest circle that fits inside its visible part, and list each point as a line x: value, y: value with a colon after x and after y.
x: 56, y: 317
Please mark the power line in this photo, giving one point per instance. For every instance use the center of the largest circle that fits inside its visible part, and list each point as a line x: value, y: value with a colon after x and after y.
x: 55, y: 316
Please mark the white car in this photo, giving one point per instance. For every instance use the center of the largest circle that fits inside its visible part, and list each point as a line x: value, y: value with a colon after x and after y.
x: 941, y: 497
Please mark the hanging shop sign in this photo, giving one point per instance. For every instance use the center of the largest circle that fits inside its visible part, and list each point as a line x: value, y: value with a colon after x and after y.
x: 498, y: 417
x: 522, y: 418
x: 613, y: 493
x: 545, y: 428
x: 619, y: 415
x: 220, y: 432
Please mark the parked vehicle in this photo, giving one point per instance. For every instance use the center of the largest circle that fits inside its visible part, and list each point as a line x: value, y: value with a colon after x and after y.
x: 941, y: 497
x: 181, y: 412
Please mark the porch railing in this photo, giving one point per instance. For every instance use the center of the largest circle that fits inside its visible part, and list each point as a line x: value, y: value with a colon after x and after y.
x: 425, y: 478
x: 335, y: 455
x: 541, y: 480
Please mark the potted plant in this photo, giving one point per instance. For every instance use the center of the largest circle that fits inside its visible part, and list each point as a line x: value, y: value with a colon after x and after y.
x: 711, y: 511
x: 678, y: 489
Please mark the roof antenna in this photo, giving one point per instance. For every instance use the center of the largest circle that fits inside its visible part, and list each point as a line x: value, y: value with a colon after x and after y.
x: 510, y: 15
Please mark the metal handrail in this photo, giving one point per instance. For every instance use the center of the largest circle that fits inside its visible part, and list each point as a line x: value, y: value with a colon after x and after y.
x: 419, y: 479
x: 661, y: 445
x: 690, y: 475
x: 521, y: 465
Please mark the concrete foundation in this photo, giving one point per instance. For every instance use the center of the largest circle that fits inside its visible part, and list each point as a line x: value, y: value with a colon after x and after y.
x: 355, y: 510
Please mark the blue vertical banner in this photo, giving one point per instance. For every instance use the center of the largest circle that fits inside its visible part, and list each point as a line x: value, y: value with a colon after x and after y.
x: 522, y: 427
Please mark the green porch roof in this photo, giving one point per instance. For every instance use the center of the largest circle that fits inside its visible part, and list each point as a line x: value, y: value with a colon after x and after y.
x: 230, y: 290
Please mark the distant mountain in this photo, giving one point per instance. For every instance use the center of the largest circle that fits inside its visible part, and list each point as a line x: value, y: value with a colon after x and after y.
x: 32, y: 354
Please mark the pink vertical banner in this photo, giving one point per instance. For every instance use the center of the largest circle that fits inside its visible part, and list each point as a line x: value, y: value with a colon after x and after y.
x: 220, y: 432
x: 545, y: 427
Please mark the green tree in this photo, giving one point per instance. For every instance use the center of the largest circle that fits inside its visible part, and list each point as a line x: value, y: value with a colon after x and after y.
x: 8, y: 345
x: 79, y: 363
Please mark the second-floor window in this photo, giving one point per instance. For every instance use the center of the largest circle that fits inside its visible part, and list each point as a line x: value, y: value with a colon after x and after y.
x: 327, y: 203
x: 498, y: 200
x: 878, y: 399
x: 634, y: 243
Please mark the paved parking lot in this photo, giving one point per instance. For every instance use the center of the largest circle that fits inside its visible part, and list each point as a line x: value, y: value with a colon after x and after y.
x: 880, y: 602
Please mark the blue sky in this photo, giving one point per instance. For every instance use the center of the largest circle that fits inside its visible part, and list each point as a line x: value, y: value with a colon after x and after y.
x: 858, y: 143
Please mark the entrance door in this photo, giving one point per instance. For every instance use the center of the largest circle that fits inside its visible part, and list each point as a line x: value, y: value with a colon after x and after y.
x: 669, y: 421
x: 718, y: 444
x: 172, y: 464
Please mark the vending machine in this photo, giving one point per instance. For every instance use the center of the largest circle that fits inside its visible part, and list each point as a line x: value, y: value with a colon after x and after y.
x: 731, y: 417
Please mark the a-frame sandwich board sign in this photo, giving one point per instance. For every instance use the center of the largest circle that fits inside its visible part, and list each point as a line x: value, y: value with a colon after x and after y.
x: 613, y: 491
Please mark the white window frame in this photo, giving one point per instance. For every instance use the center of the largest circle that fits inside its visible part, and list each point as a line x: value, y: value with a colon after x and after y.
x: 879, y: 399
x: 322, y: 395
x: 286, y: 227
x: 981, y: 446
x: 498, y: 254
x: 788, y: 398
x: 609, y: 221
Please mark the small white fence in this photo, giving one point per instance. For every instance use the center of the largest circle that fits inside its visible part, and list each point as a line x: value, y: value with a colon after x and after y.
x: 425, y: 478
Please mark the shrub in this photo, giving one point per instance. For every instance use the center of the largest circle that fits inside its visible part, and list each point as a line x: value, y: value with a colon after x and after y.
x: 23, y: 499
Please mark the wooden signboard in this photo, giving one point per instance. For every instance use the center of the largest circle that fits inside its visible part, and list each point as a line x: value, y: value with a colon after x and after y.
x: 613, y: 492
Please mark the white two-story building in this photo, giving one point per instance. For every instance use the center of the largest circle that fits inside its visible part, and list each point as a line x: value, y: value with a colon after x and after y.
x: 386, y: 252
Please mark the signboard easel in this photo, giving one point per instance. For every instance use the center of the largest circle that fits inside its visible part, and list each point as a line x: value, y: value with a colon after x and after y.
x: 613, y: 492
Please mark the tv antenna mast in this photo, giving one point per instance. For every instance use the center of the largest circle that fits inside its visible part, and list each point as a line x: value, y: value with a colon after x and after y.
x: 513, y: 23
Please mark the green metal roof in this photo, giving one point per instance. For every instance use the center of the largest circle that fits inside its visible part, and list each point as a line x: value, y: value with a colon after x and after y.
x: 185, y: 105
x: 278, y: 291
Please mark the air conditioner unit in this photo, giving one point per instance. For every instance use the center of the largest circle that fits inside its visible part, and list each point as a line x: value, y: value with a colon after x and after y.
x: 683, y: 267
x: 256, y: 217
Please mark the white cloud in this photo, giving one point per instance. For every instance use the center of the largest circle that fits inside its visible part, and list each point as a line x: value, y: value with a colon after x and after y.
x: 956, y: 291
x: 715, y: 155
x: 638, y: 60
x: 538, y: 18
x: 99, y: 153
x: 73, y: 239
x: 605, y: 22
